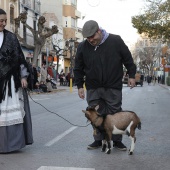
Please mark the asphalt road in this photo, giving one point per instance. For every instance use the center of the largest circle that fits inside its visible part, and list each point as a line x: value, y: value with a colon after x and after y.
x: 60, y: 145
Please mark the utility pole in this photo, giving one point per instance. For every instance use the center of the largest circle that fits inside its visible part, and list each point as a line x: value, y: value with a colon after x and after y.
x: 71, y: 46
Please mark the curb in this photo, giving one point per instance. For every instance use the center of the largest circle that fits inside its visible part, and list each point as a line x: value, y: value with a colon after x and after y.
x: 164, y: 86
x: 54, y: 91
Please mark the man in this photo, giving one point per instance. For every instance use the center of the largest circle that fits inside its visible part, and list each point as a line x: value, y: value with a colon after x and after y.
x: 99, y: 62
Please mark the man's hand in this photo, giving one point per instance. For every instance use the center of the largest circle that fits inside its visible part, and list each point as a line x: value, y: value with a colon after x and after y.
x: 131, y: 83
x: 24, y: 83
x: 81, y: 93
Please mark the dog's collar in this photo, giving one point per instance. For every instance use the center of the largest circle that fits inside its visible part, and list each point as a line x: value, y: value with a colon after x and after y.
x: 97, y: 120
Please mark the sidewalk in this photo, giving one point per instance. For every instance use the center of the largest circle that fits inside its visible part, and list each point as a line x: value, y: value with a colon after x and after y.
x: 165, y: 86
x: 59, y: 89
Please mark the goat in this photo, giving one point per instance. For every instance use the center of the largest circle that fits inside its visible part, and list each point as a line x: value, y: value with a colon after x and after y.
x: 124, y: 122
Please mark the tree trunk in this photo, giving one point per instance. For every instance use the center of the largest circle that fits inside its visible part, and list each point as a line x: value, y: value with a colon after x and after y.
x: 37, y: 51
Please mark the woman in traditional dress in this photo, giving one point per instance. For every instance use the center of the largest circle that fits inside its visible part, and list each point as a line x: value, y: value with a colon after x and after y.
x: 15, y: 118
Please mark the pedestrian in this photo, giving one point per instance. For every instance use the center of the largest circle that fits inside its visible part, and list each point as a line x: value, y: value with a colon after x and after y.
x: 68, y: 79
x: 54, y: 72
x: 35, y: 76
x: 43, y: 73
x: 99, y: 61
x: 159, y: 79
x: 48, y: 83
x: 154, y: 80
x: 148, y: 79
x: 15, y: 118
x: 30, y: 78
x: 50, y: 71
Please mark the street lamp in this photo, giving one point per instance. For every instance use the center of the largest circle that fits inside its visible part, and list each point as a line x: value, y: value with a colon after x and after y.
x: 71, y: 41
x: 71, y: 46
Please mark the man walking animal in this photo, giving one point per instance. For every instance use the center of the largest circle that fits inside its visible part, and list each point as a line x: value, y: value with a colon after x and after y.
x: 99, y: 63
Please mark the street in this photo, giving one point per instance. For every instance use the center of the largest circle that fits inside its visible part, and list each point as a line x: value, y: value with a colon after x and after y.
x: 59, y: 145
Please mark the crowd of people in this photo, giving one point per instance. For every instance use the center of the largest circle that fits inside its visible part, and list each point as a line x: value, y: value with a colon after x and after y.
x: 42, y: 79
x: 45, y: 79
x: 154, y: 79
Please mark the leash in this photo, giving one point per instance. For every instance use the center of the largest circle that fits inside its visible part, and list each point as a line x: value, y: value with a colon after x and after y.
x: 28, y: 90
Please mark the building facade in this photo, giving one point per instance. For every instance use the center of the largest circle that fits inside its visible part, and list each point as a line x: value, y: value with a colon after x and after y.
x: 12, y: 9
x: 70, y: 30
x: 62, y: 13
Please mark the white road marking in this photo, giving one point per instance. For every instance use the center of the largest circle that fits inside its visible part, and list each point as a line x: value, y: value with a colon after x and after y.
x: 62, y: 168
x: 42, y: 99
x: 60, y: 136
x: 39, y: 99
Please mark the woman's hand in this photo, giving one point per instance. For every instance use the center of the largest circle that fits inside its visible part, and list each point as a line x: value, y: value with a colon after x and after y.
x: 24, y: 82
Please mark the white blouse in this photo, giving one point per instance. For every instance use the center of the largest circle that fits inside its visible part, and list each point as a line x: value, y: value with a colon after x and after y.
x: 1, y: 38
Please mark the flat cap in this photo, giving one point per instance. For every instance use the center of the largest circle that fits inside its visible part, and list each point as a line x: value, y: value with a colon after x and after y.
x: 2, y: 11
x: 89, y: 28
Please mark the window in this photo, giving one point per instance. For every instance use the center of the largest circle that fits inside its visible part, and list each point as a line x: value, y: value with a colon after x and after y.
x: 11, y: 15
x: 73, y: 22
x: 27, y: 3
x: 73, y: 2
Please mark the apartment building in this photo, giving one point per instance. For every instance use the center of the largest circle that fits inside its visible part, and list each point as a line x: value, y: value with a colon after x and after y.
x: 32, y: 7
x: 64, y: 14
x: 52, y: 11
x: 70, y: 29
x: 12, y: 9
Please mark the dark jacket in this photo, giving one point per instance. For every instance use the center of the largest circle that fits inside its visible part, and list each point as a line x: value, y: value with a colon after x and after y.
x: 11, y: 58
x: 103, y: 67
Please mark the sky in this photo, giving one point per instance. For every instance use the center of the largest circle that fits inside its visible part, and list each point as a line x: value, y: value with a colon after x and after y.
x: 112, y: 15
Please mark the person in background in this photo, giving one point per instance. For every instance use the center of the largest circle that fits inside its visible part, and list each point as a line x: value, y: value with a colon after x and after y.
x: 15, y: 117
x: 30, y: 77
x: 148, y: 78
x: 68, y: 79
x: 50, y: 71
x: 54, y: 72
x: 48, y: 83
x: 99, y: 61
x: 35, y: 76
x: 154, y: 80
x: 159, y: 79
x: 43, y: 73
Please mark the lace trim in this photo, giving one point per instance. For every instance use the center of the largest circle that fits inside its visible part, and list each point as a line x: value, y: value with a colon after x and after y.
x: 14, y: 121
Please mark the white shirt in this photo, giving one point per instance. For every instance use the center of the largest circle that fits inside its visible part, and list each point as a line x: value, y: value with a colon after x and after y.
x: 1, y: 38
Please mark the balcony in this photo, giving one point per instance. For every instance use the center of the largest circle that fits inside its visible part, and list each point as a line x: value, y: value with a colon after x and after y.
x: 26, y: 4
x: 77, y: 14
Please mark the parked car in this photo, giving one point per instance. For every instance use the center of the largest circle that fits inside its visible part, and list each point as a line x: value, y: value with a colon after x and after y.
x: 125, y: 79
x: 139, y: 78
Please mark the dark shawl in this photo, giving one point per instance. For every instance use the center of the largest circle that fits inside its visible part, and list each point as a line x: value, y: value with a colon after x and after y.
x: 11, y: 57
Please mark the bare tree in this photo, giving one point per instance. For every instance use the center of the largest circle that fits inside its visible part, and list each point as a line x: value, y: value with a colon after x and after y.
x: 147, y: 52
x: 39, y: 35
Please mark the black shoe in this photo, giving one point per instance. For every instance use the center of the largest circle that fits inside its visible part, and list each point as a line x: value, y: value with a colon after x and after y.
x: 96, y: 144
x: 119, y: 145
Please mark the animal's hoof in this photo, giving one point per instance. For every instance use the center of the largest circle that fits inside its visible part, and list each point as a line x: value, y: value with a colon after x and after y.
x: 103, y: 148
x: 130, y: 153
x: 108, y: 151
